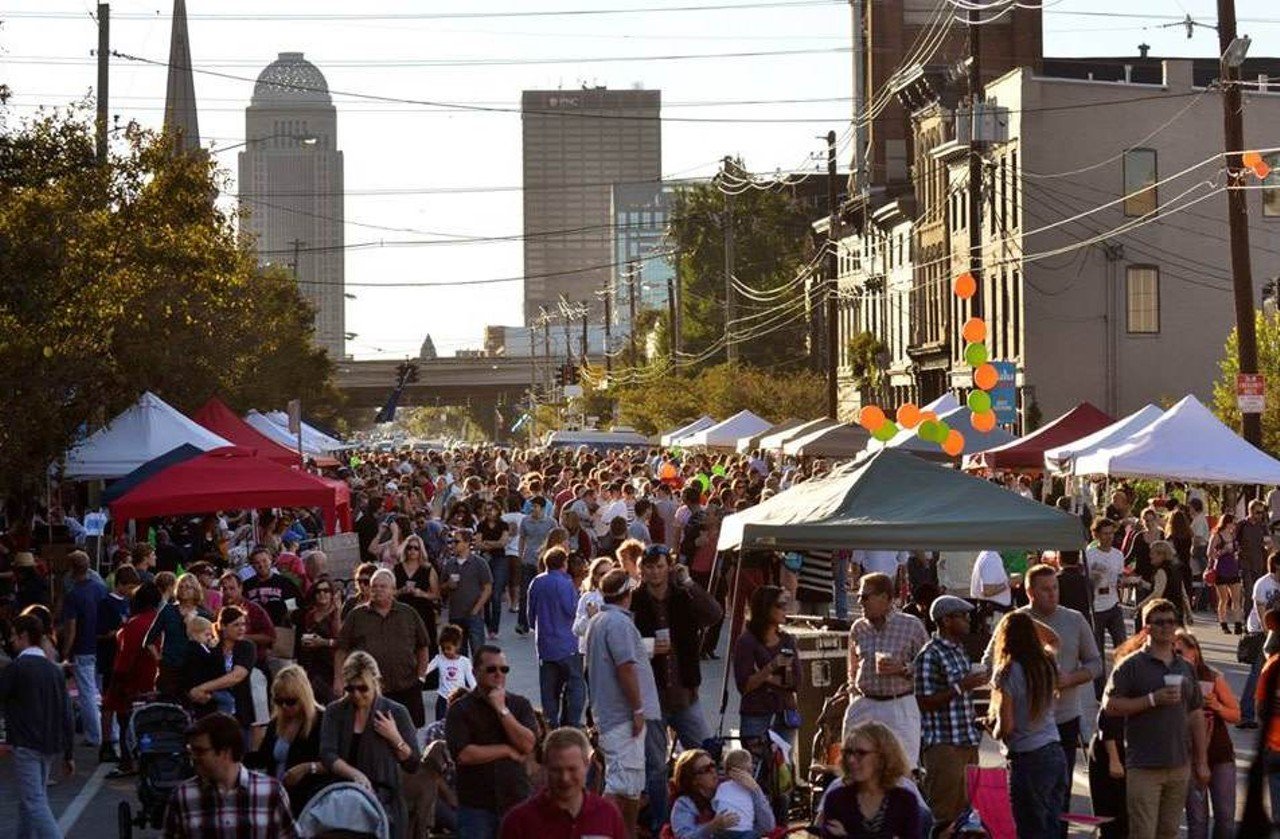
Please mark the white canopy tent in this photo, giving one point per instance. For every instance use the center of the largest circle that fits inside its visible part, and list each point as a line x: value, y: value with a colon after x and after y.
x: 774, y: 441
x: 1187, y: 444
x: 752, y: 441
x: 1061, y: 459
x: 280, y: 435
x: 725, y: 434
x: 310, y: 435
x: 143, y: 432
x: 836, y: 441
x: 670, y: 438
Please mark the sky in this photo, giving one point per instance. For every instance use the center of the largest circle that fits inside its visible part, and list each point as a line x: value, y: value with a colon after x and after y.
x: 424, y: 173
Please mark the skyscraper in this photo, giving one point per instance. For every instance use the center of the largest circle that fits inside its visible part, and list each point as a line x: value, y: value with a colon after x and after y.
x: 578, y: 144
x: 291, y: 187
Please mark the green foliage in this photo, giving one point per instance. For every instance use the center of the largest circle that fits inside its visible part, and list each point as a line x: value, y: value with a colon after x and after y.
x: 866, y: 352
x: 771, y: 243
x: 1224, y: 390
x: 670, y: 399
x: 122, y: 278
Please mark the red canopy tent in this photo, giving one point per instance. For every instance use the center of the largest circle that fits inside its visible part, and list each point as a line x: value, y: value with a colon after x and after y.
x: 229, y: 478
x: 342, y: 492
x: 221, y: 420
x: 1027, y: 453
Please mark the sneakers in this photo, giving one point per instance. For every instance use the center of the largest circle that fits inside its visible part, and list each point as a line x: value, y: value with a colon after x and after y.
x: 107, y: 754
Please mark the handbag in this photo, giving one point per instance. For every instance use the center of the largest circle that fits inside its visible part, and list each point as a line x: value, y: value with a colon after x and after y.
x: 1210, y: 577
x: 1250, y: 647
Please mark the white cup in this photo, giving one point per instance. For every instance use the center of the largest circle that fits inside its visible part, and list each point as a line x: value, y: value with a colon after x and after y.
x: 1206, y: 688
x: 410, y: 585
x: 882, y: 659
x: 663, y: 635
x: 977, y: 667
x: 455, y: 578
x: 648, y: 646
x: 1173, y: 680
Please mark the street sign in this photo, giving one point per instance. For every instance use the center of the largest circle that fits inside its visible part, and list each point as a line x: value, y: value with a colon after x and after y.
x: 1250, y: 393
x: 1004, y: 396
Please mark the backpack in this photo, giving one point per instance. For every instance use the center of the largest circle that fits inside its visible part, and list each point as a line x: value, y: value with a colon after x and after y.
x: 692, y: 530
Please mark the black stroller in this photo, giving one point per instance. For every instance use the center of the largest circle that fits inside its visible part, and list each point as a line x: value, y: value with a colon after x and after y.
x: 156, y: 738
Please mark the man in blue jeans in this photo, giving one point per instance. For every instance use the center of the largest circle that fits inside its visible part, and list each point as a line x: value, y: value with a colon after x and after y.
x: 37, y: 710
x: 1265, y: 596
x: 553, y: 605
x: 468, y: 585
x: 80, y: 640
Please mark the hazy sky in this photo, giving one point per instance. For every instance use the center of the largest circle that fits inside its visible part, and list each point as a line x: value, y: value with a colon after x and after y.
x: 416, y: 172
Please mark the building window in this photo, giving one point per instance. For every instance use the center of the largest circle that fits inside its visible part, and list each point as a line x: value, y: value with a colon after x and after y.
x: 1140, y: 182
x: 1271, y: 186
x: 1142, y: 296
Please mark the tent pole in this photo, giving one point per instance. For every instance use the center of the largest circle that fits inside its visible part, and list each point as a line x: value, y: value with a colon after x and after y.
x: 730, y: 614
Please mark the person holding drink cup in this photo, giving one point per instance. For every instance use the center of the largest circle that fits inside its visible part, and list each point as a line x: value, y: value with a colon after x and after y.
x: 468, y: 587
x: 1159, y: 697
x: 765, y: 665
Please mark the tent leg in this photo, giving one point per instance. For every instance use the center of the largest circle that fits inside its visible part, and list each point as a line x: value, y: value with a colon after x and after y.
x: 730, y: 615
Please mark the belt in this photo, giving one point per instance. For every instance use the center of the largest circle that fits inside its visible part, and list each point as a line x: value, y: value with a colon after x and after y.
x: 888, y: 698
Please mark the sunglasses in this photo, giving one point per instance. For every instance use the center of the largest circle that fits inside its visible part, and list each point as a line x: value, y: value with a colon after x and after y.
x: 858, y: 753
x: 1163, y: 622
x: 350, y: 689
x: 497, y: 668
x: 286, y: 701
x: 412, y: 548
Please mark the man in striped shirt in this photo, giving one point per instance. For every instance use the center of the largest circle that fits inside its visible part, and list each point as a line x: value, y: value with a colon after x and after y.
x: 225, y: 800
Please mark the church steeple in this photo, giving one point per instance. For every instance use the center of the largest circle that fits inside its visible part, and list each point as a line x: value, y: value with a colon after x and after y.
x: 180, y: 118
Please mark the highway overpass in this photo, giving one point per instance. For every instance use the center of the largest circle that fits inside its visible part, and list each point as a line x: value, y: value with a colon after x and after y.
x: 441, y: 381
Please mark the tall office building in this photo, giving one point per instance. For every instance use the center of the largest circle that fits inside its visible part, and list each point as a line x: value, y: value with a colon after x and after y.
x: 578, y: 144
x: 291, y: 187
x: 640, y: 213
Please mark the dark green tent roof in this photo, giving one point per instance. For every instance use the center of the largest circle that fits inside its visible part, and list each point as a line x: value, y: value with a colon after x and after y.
x: 891, y: 500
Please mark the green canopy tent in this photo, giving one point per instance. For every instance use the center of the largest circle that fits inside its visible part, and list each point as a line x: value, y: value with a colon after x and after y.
x: 890, y: 500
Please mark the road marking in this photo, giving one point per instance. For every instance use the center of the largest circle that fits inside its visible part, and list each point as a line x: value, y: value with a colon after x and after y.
x: 72, y: 814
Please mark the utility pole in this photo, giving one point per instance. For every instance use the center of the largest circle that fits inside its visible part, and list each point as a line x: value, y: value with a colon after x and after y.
x: 1238, y: 213
x: 673, y: 326
x: 104, y: 80
x: 975, y: 164
x: 730, y: 350
x: 585, y: 310
x: 608, y: 329
x: 830, y: 287
x: 633, y: 280
x: 546, y: 349
x: 297, y: 251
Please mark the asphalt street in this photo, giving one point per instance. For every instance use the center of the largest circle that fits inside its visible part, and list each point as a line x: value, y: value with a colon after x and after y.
x: 86, y: 803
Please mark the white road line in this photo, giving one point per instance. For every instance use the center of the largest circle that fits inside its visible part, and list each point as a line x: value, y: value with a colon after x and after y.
x: 72, y: 814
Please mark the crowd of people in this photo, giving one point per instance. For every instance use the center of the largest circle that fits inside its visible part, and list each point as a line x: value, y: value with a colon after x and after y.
x: 297, y: 678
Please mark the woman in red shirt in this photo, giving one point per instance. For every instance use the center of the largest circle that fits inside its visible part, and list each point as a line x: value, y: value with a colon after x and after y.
x: 134, y: 671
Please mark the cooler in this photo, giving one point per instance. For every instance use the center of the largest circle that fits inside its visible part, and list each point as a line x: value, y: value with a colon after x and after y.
x: 824, y: 667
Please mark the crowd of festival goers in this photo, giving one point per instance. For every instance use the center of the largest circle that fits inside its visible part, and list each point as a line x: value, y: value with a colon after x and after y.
x: 599, y: 571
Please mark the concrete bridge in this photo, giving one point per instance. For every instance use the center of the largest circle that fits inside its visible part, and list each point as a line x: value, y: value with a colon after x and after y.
x: 441, y: 381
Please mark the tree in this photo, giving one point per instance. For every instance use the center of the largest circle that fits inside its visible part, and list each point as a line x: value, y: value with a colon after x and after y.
x: 1224, y: 390
x: 771, y: 243
x: 125, y: 277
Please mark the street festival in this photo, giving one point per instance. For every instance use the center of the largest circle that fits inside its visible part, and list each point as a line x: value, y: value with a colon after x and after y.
x: 806, y: 499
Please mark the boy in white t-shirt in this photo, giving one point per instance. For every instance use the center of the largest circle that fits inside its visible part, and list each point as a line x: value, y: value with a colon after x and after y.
x: 455, y: 670
x: 733, y: 797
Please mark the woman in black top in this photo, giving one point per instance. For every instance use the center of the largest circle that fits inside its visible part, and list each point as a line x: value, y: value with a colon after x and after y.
x: 318, y: 626
x: 493, y: 535
x: 418, y: 585
x: 290, y: 751
x: 237, y: 656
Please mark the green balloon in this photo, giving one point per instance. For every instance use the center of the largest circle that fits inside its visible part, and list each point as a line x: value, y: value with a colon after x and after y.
x: 979, y: 401
x: 717, y: 470
x: 975, y: 355
x: 926, y: 430
x: 886, y: 431
x: 942, y: 432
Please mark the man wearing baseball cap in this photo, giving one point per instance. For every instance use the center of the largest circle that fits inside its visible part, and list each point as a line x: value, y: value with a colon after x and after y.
x: 949, y: 733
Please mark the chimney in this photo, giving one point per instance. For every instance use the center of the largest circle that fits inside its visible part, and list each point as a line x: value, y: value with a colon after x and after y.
x: 1143, y: 49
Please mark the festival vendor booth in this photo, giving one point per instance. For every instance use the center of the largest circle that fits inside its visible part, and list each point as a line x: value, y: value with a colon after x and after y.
x: 1060, y: 460
x: 230, y: 478
x: 959, y: 418
x: 1187, y: 444
x: 723, y: 436
x: 752, y: 442
x: 1027, y: 454
x: 841, y: 441
x: 775, y: 440
x: 218, y: 418
x: 259, y: 422
x: 672, y: 438
x: 886, y: 500
x: 139, y: 434
x: 311, y: 435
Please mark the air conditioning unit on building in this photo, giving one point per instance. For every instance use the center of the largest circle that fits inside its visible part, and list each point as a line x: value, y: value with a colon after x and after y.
x: 988, y: 124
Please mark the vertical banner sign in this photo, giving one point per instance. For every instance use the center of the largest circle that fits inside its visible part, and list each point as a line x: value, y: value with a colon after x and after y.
x: 1250, y: 393
x: 1004, y: 396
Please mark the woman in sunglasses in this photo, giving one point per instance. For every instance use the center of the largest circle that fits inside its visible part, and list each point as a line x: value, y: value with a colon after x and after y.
x: 290, y: 751
x: 870, y: 801
x: 318, y: 626
x: 418, y: 585
x: 368, y: 739
x: 693, y: 815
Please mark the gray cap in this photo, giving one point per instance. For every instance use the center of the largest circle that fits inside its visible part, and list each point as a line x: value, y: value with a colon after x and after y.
x: 948, y: 605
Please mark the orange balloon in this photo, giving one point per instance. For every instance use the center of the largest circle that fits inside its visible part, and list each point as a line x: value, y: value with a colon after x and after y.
x: 908, y: 415
x: 965, y: 286
x: 927, y: 416
x: 954, y: 444
x: 871, y: 418
x: 975, y: 330
x: 1251, y: 159
x: 986, y: 377
x: 983, y: 422
x: 1262, y: 170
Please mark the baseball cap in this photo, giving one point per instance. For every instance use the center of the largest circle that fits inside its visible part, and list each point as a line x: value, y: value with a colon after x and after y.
x: 948, y: 605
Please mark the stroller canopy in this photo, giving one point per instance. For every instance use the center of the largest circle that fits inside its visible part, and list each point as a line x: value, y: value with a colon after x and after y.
x: 346, y: 808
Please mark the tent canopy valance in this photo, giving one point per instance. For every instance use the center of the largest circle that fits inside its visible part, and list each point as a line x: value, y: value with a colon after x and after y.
x: 834, y: 441
x: 221, y: 420
x: 752, y: 442
x: 141, y: 433
x: 775, y: 440
x: 892, y: 500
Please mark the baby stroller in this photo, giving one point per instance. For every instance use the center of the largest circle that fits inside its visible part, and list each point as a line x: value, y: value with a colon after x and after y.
x: 344, y: 810
x: 156, y: 738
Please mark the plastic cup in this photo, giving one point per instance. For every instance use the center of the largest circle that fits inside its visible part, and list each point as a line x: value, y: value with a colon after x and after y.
x: 1173, y: 680
x: 1206, y: 688
x: 977, y: 667
x: 881, y: 660
x: 662, y: 635
x: 648, y: 646
x: 455, y: 578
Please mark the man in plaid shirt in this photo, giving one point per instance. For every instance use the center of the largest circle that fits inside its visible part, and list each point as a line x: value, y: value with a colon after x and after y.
x: 225, y: 800
x: 949, y: 734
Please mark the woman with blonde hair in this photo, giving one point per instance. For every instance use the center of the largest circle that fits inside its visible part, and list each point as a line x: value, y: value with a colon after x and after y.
x: 418, y: 585
x: 1166, y: 582
x: 368, y: 739
x: 168, y: 635
x: 871, y: 803
x: 290, y: 751
x: 591, y: 600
